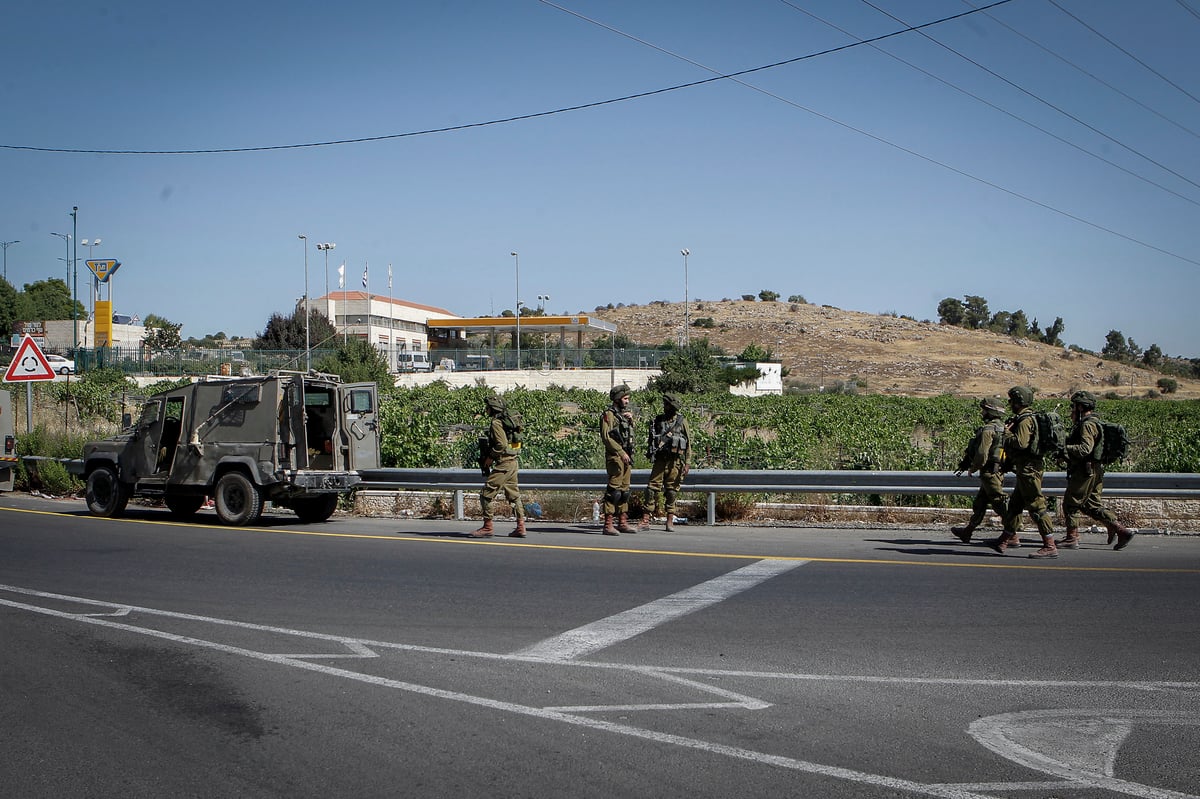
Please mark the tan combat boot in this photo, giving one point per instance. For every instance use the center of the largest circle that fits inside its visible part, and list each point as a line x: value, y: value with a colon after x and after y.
x: 485, y: 531
x: 623, y: 524
x: 520, y: 531
x: 608, y: 525
x: 1122, y: 533
x: 1047, y: 551
x: 963, y: 533
x: 1070, y: 540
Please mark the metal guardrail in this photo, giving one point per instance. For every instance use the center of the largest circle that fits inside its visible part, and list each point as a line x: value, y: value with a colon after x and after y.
x: 721, y: 481
x: 1132, y: 485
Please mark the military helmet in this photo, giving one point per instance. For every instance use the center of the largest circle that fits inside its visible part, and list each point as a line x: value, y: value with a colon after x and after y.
x: 671, y: 401
x: 495, y: 403
x: 1021, y: 395
x: 992, y: 407
x: 1085, y: 399
x: 616, y: 392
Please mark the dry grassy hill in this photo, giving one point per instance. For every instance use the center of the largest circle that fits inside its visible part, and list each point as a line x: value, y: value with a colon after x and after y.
x: 825, y: 346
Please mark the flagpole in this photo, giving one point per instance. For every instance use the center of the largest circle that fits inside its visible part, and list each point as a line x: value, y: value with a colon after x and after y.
x: 367, y: 288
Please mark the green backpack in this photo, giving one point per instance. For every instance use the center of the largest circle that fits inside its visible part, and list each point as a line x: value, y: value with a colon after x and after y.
x: 1051, y: 437
x: 1115, y: 442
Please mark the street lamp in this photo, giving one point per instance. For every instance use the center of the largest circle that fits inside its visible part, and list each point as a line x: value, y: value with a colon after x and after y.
x: 67, y: 238
x: 327, y: 246
x: 542, y: 300
x: 6, y: 245
x: 517, y: 259
x: 686, y: 335
x: 91, y: 245
x: 307, y: 357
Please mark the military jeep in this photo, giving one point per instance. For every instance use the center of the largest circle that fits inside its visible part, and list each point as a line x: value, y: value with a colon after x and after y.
x: 294, y: 439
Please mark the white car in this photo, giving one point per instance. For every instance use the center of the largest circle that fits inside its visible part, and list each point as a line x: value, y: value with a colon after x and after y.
x: 61, y: 365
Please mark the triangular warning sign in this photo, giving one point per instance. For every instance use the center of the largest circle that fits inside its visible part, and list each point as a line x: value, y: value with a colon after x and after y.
x: 28, y: 364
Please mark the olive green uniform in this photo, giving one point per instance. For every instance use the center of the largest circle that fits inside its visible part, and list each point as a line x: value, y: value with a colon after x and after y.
x: 1085, y: 475
x: 670, y: 451
x: 504, y: 447
x: 983, y: 456
x: 616, y: 432
x: 1019, y: 443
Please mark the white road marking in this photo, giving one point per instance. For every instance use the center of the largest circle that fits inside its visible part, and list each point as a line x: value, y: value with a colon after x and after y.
x: 1079, y: 745
x: 604, y: 633
x: 1016, y: 736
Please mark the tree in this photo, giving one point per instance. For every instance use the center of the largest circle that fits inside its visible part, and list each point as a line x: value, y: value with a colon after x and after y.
x: 975, y: 312
x: 287, y: 332
x: 798, y: 299
x: 1018, y: 324
x: 1000, y: 322
x: 756, y: 353
x: 8, y: 308
x: 162, y: 333
x: 951, y: 312
x: 768, y: 296
x: 1153, y: 356
x: 356, y: 361
x: 1115, y: 347
x: 1051, y: 336
x: 48, y: 299
x: 693, y: 369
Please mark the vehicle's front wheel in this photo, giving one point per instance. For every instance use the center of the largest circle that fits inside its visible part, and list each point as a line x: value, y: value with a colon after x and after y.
x: 184, y: 506
x: 106, y: 494
x: 315, y: 509
x: 238, y: 500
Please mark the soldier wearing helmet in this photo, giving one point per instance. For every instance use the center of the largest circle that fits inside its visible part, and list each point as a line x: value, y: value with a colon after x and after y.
x: 985, y: 454
x: 1020, y: 449
x: 669, y: 449
x: 498, y: 459
x: 1085, y: 475
x: 616, y: 434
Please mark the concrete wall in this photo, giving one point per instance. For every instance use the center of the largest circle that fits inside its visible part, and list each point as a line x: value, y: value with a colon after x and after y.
x: 595, y: 379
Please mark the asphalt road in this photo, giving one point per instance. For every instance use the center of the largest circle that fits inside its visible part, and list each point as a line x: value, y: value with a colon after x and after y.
x: 386, y: 657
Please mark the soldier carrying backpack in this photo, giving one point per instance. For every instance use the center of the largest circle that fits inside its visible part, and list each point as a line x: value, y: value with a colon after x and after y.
x: 1026, y: 459
x: 1086, y: 453
x: 985, y: 454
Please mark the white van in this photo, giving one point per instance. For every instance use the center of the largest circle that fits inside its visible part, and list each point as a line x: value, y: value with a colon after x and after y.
x: 413, y: 362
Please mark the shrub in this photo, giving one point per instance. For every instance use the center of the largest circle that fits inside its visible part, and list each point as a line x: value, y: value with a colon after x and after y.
x: 748, y: 297
x: 735, y: 506
x: 798, y: 299
x: 1167, y: 385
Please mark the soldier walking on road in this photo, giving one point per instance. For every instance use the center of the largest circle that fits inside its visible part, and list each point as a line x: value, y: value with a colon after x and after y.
x: 670, y: 451
x: 984, y: 455
x: 1021, y: 454
x: 1085, y: 475
x: 499, y: 451
x: 616, y: 433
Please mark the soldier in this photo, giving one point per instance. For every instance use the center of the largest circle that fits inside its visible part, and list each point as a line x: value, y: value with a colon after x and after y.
x: 1020, y: 451
x: 499, y: 451
x: 616, y: 433
x: 669, y: 449
x: 984, y: 455
x: 1085, y: 475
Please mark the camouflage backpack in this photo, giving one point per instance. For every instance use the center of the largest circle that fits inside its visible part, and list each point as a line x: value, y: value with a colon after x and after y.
x: 1051, y: 438
x: 1115, y: 442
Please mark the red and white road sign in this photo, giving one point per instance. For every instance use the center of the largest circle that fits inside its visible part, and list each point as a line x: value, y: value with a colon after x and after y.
x: 28, y: 364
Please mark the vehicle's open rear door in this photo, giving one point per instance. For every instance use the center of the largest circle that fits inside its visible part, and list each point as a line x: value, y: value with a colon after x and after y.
x: 360, y: 424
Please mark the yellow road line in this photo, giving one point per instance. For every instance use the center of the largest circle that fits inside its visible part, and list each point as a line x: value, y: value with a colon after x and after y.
x: 427, y: 539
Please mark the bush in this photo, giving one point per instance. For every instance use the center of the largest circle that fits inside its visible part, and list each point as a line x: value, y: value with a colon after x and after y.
x: 798, y: 299
x: 704, y: 321
x: 1167, y: 385
x: 748, y: 297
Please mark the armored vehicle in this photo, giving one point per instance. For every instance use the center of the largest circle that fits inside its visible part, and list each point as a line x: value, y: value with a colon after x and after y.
x: 294, y: 439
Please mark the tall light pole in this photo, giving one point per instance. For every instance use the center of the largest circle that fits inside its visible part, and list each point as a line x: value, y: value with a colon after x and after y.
x: 91, y: 245
x: 517, y: 259
x: 327, y: 246
x: 307, y: 357
x: 75, y: 281
x: 67, y: 238
x: 686, y: 334
x: 6, y: 245
x: 542, y: 300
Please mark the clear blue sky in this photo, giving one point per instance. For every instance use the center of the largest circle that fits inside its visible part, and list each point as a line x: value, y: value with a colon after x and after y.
x: 856, y: 178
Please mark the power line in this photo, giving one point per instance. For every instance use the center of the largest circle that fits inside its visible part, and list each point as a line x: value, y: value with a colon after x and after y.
x: 992, y: 105
x: 506, y: 120
x: 735, y: 77
x: 1118, y: 47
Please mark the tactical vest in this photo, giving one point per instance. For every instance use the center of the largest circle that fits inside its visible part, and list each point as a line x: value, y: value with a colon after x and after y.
x: 668, y: 435
x: 622, y: 430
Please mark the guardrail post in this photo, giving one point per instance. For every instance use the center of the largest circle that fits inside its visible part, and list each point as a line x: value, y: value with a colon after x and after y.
x: 458, y: 505
x: 712, y: 508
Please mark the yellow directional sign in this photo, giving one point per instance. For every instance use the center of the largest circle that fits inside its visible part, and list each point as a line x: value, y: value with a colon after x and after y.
x: 103, y: 270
